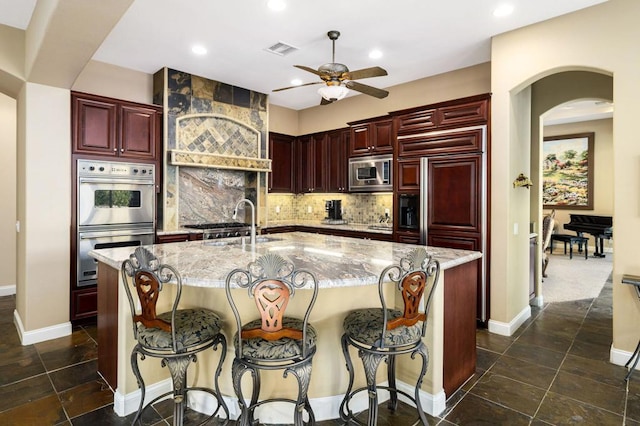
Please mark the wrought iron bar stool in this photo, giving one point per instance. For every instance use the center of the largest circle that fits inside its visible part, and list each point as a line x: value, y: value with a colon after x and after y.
x: 384, y: 333
x: 274, y: 341
x: 176, y: 336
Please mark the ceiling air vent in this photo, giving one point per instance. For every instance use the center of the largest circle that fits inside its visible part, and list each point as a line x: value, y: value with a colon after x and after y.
x: 281, y: 48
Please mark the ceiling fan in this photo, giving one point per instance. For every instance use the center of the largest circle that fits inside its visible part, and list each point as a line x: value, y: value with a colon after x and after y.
x: 338, y: 79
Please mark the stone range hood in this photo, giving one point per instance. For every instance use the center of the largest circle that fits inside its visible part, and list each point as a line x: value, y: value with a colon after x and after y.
x: 216, y: 141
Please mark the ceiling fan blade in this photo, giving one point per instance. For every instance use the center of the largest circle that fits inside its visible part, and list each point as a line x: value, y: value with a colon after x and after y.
x: 299, y: 85
x: 367, y: 90
x: 324, y: 101
x: 366, y: 73
x: 311, y: 70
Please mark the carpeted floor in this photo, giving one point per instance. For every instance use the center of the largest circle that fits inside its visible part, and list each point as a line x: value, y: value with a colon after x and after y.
x: 575, y: 279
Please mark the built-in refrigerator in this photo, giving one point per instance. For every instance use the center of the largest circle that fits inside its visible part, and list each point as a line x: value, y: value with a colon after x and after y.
x: 453, y: 206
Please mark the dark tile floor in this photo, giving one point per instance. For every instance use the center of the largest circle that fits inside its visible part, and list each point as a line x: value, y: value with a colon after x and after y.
x: 553, y: 371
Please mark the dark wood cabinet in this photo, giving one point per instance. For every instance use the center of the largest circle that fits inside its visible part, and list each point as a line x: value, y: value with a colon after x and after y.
x: 311, y: 159
x: 453, y: 137
x: 408, y: 175
x: 84, y: 303
x: 407, y: 237
x: 442, y: 142
x: 533, y: 242
x: 281, y: 153
x: 336, y: 171
x: 371, y: 137
x: 108, y: 127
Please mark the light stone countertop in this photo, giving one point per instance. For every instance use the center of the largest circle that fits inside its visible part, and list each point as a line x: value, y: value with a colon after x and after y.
x: 336, y: 261
x: 358, y: 227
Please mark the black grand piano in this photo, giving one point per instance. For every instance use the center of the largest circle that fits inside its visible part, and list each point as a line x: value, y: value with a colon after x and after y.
x: 601, y: 227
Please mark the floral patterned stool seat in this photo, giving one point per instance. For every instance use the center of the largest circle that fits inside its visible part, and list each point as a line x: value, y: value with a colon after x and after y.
x: 274, y: 341
x: 382, y: 333
x: 176, y: 336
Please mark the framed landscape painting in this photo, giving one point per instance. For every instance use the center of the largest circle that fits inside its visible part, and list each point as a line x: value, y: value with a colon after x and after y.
x: 567, y: 172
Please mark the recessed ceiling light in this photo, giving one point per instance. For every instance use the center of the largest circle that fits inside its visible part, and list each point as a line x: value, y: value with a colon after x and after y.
x: 503, y: 10
x: 296, y: 82
x: 199, y: 50
x: 375, y: 54
x: 276, y: 5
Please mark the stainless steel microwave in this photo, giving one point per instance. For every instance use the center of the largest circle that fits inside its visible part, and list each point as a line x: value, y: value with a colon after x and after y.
x: 370, y: 174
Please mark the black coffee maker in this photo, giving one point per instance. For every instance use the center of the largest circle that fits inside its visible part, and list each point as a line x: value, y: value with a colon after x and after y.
x: 334, y: 209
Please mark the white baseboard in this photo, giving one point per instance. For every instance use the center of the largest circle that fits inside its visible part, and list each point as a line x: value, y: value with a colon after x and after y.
x: 537, y: 301
x: 507, y: 329
x: 325, y: 408
x: 41, y: 334
x: 620, y: 357
x: 7, y: 290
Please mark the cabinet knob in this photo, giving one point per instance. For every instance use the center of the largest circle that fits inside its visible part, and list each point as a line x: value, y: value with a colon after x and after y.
x: 121, y: 149
x: 115, y: 149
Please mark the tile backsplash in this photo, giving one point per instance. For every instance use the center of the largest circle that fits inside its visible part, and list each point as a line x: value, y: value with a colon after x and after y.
x: 356, y: 208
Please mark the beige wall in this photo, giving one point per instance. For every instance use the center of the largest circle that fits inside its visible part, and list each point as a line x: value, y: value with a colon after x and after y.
x: 44, y: 205
x: 11, y: 60
x: 108, y: 80
x: 469, y: 81
x: 584, y: 41
x: 8, y: 191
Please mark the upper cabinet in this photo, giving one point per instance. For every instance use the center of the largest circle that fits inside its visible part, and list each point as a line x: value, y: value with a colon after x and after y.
x: 281, y: 153
x: 337, y: 164
x: 311, y: 160
x: 370, y: 137
x: 445, y: 128
x: 114, y: 128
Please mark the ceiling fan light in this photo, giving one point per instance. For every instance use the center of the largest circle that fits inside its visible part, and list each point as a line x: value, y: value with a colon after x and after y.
x: 333, y: 93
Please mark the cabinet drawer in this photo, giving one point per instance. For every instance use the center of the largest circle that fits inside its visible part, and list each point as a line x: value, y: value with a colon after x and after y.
x: 464, y: 114
x: 416, y: 122
x: 447, y: 142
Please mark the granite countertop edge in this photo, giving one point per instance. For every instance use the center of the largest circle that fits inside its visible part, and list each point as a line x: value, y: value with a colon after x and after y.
x: 336, y: 261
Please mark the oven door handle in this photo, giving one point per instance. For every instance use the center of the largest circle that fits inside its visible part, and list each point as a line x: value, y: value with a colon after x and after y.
x: 108, y: 234
x: 116, y: 181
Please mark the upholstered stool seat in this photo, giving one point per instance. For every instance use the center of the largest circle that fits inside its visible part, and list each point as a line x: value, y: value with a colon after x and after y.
x: 193, y: 326
x: 284, y: 348
x: 382, y: 333
x: 365, y: 325
x: 176, y: 336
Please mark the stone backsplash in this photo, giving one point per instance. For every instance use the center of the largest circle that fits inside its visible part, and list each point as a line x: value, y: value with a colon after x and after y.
x: 356, y: 208
x: 206, y: 118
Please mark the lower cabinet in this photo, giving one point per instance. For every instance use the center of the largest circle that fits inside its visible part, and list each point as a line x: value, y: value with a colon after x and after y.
x: 84, y: 303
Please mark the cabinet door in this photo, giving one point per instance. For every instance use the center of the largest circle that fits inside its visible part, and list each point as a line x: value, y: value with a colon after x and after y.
x: 139, y: 132
x: 305, y: 167
x: 319, y: 160
x: 466, y: 114
x: 382, y: 136
x: 454, y: 193
x: 359, y: 143
x: 282, y: 163
x: 337, y: 161
x: 408, y: 175
x: 94, y: 126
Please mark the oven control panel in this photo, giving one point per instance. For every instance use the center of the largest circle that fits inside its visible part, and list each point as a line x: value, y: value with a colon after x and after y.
x: 115, y: 169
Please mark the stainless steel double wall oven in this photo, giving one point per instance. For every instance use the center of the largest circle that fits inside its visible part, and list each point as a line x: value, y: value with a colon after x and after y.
x: 116, y: 208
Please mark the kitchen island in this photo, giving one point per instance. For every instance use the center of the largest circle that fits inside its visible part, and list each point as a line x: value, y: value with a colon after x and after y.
x: 347, y: 270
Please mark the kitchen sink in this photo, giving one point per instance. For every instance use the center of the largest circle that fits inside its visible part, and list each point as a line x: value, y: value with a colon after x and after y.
x: 266, y: 239
x: 220, y: 243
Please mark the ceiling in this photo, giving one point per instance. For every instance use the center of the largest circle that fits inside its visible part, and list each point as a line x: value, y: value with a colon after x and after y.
x: 417, y: 38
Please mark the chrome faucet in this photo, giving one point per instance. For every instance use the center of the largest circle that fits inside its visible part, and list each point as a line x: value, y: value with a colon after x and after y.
x: 253, y: 218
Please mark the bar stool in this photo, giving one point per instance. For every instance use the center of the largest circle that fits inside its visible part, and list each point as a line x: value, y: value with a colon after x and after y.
x: 274, y: 341
x: 176, y: 336
x: 384, y: 333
